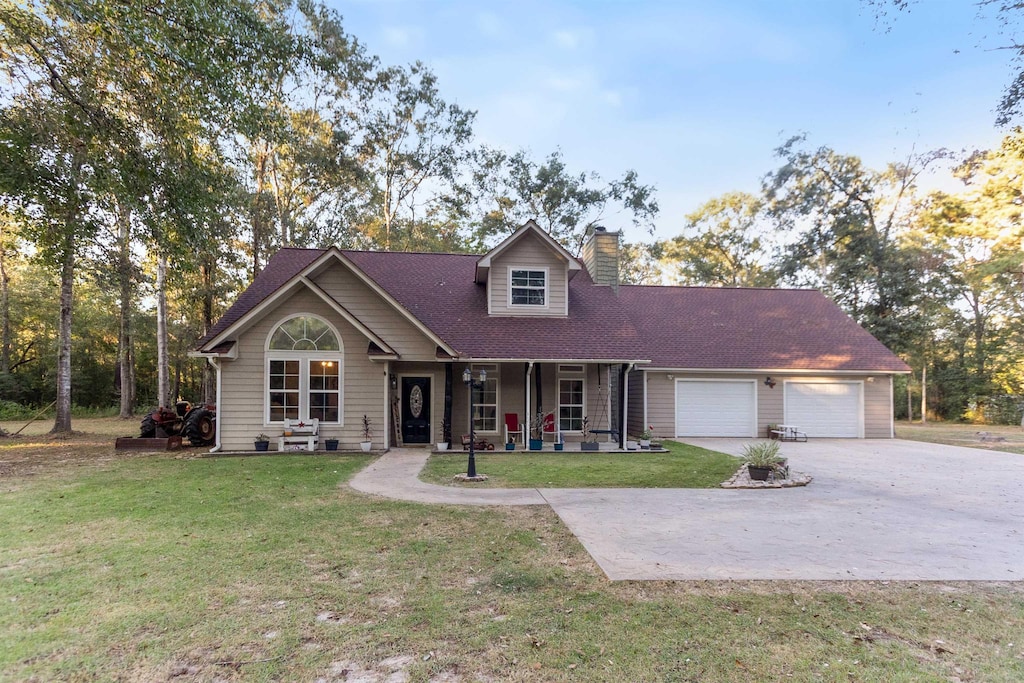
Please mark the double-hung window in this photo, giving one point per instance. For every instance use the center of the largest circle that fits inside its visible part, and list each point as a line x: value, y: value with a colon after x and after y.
x: 304, y: 371
x: 528, y: 287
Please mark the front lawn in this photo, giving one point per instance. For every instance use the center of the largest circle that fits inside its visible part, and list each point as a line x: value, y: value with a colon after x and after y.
x: 151, y: 568
x: 1009, y: 438
x: 683, y: 466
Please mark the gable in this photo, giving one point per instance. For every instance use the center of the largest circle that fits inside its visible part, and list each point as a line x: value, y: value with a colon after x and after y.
x: 529, y: 254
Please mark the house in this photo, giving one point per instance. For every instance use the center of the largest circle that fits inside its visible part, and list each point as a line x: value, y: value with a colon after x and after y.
x: 335, y: 335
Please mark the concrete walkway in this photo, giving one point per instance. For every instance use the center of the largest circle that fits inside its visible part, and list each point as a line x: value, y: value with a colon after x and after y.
x: 396, y: 475
x: 886, y: 510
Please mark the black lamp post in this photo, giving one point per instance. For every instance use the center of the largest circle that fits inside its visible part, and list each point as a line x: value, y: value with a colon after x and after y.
x: 467, y: 377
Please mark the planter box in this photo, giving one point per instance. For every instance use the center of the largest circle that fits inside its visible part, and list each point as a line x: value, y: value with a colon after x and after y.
x: 536, y: 444
x: 589, y: 446
x: 510, y: 446
x: 262, y: 445
x: 759, y: 473
x: 559, y: 446
x: 442, y: 445
x: 331, y: 444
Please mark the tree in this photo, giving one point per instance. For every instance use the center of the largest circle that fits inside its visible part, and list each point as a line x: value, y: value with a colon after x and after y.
x: 725, y: 247
x: 512, y: 189
x: 845, y: 225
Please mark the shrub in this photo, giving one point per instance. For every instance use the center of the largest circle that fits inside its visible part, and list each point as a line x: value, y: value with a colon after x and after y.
x: 762, y: 454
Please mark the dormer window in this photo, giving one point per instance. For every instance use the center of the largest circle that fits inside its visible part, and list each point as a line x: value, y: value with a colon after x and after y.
x: 528, y: 287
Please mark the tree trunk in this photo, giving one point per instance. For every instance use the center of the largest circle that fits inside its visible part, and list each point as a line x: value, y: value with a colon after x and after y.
x: 208, y: 379
x: 163, y: 381
x: 924, y: 393
x: 5, y: 307
x: 910, y: 399
x: 125, y: 357
x: 62, y: 423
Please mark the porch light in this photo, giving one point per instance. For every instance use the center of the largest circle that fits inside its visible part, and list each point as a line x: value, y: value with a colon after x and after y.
x: 769, y: 382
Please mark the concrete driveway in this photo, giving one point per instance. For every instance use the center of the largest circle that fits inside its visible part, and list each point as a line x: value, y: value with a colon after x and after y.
x: 899, y: 510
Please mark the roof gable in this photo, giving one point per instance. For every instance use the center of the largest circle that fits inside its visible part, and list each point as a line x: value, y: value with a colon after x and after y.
x: 483, y: 265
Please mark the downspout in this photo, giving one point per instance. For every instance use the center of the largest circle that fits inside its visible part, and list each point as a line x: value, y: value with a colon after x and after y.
x: 215, y: 363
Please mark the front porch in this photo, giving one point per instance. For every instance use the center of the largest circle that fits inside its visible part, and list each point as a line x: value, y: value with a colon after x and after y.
x: 519, y: 400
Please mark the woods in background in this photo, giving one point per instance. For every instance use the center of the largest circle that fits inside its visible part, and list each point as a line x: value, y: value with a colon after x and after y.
x: 153, y: 157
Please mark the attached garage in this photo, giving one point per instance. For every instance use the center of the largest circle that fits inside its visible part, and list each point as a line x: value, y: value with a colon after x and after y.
x: 826, y: 409
x: 716, y: 407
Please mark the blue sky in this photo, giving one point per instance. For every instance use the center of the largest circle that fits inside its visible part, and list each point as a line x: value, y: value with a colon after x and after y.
x: 695, y: 96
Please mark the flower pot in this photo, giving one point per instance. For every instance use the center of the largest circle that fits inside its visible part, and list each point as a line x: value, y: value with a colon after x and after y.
x: 536, y: 444
x: 332, y: 444
x: 589, y: 446
x: 559, y: 446
x: 759, y: 473
x: 365, y: 445
x: 645, y: 443
x: 262, y: 445
x: 442, y: 445
x: 631, y: 445
x: 510, y: 446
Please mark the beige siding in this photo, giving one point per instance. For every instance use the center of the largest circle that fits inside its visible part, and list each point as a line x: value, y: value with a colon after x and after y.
x: 528, y: 252
x: 243, y: 391
x: 377, y: 314
x: 770, y: 407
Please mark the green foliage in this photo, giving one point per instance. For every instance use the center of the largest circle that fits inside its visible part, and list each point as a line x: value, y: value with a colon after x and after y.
x: 762, y: 454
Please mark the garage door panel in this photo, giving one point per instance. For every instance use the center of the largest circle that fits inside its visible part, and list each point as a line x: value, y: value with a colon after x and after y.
x: 715, y: 408
x: 825, y: 409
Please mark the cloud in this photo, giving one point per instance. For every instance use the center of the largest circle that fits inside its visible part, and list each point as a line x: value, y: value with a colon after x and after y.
x: 572, y: 39
x: 402, y: 36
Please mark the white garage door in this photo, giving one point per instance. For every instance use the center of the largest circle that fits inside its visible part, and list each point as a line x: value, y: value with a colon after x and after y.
x: 825, y: 409
x: 715, y: 408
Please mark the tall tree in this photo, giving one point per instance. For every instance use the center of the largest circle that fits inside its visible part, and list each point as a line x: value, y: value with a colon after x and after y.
x: 723, y: 246
x: 845, y: 226
x: 513, y: 188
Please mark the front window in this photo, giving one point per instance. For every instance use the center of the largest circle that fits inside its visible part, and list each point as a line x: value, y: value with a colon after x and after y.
x: 528, y: 287
x: 485, y: 400
x: 570, y: 404
x: 304, y: 377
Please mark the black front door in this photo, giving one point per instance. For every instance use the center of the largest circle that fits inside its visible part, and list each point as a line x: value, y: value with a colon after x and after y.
x: 416, y: 410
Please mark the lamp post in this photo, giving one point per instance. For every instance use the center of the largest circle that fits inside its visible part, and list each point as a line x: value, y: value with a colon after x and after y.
x: 467, y: 377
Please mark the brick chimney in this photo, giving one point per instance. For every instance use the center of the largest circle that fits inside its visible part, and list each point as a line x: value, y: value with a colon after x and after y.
x: 601, y: 256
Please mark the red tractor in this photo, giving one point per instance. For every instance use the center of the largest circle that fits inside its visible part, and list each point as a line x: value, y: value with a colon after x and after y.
x: 197, y: 424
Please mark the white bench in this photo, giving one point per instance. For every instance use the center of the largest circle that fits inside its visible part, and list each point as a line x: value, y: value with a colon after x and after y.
x: 299, y: 435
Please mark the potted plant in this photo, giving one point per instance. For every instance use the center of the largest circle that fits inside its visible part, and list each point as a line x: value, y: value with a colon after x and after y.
x: 367, y: 435
x: 558, y: 444
x: 537, y: 432
x: 332, y: 444
x: 510, y: 445
x: 587, y: 444
x: 645, y: 437
x: 262, y: 442
x: 763, y: 459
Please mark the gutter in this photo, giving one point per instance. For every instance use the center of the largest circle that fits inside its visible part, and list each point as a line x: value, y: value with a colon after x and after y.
x: 215, y: 363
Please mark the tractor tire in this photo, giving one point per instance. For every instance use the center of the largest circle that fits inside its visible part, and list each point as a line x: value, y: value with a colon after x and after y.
x: 147, y: 430
x: 200, y: 427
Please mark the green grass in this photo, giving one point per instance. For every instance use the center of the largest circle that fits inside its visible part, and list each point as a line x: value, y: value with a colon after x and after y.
x: 269, y: 568
x: 683, y: 466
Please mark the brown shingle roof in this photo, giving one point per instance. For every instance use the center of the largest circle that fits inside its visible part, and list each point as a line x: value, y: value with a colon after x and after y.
x: 709, y: 328
x: 673, y: 327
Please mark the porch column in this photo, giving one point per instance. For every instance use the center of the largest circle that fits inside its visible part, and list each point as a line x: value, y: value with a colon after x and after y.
x: 447, y: 435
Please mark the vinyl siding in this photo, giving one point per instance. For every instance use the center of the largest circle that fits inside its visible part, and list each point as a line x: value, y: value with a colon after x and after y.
x: 377, y: 314
x: 528, y: 252
x: 243, y: 395
x: 770, y: 406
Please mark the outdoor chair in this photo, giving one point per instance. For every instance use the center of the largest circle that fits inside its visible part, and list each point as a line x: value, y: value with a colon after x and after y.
x: 550, y: 428
x: 513, y: 429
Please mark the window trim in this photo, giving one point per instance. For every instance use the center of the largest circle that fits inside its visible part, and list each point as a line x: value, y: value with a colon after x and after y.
x: 571, y: 377
x: 304, y: 358
x: 496, y: 376
x: 546, y: 289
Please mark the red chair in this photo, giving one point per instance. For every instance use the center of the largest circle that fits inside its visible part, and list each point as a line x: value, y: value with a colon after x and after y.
x: 513, y: 429
x: 550, y: 427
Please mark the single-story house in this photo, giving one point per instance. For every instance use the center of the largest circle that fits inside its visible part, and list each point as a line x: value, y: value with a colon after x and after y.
x: 335, y: 335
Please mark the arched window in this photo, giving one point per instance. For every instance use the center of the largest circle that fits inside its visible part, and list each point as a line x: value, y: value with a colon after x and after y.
x: 304, y: 371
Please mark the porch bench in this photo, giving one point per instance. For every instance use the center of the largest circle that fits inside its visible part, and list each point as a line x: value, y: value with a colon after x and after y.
x: 299, y: 432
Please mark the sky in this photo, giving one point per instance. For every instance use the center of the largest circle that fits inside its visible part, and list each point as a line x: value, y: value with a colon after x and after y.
x: 696, y: 96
